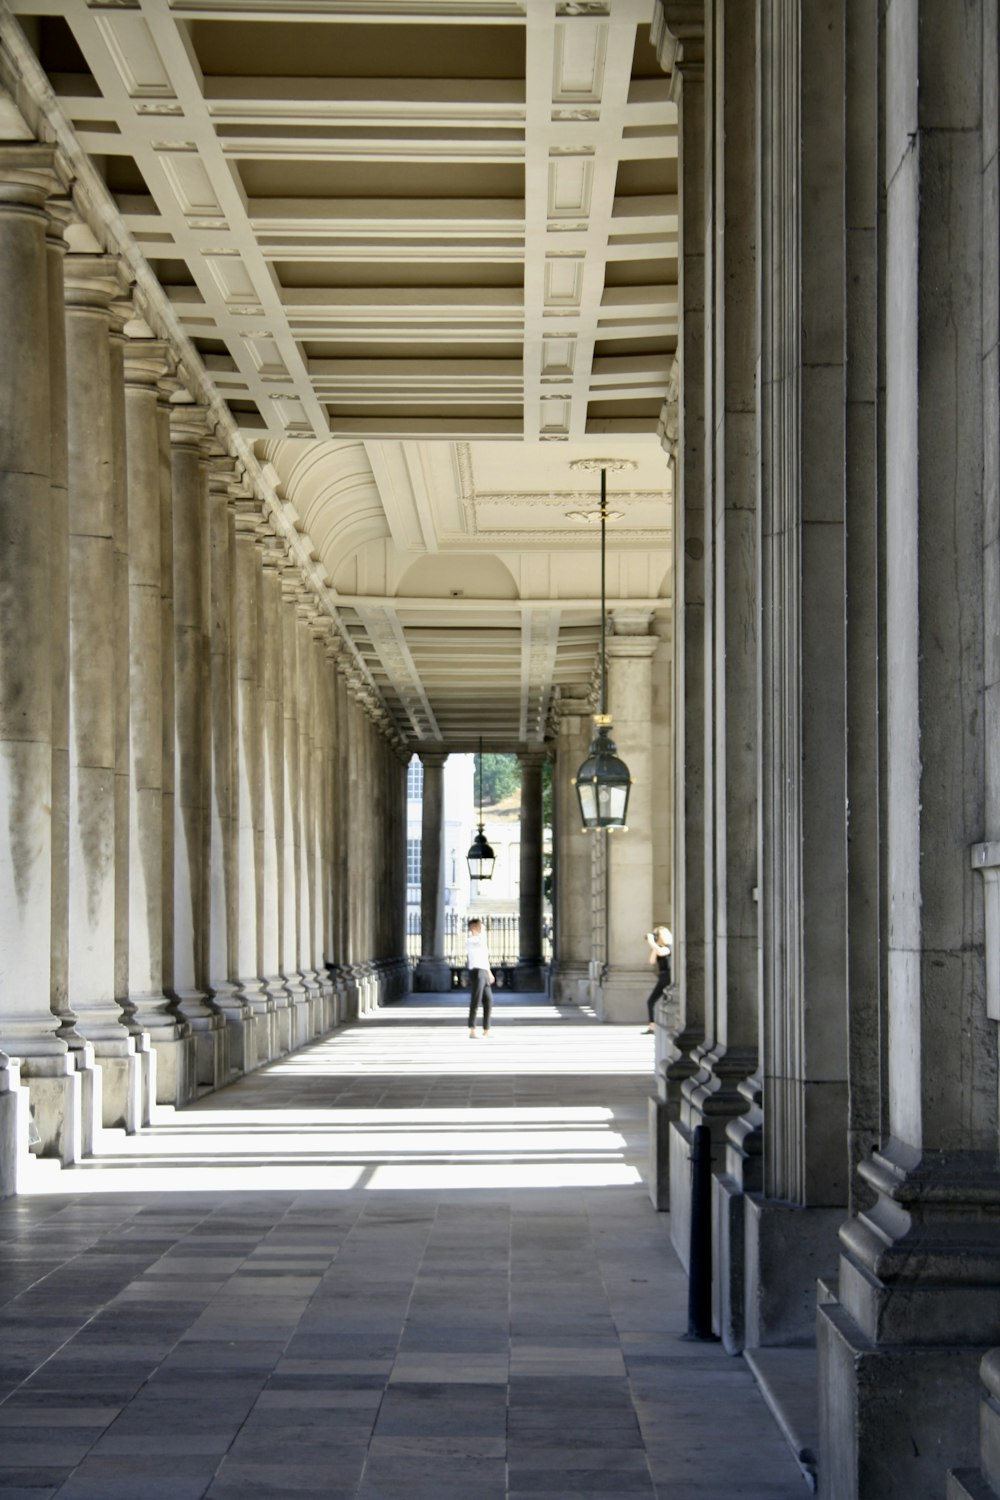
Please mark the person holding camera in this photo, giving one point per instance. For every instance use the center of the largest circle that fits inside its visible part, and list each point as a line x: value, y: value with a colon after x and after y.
x: 661, y: 947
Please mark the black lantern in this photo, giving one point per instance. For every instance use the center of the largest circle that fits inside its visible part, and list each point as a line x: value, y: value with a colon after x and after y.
x: 603, y: 781
x: 480, y: 857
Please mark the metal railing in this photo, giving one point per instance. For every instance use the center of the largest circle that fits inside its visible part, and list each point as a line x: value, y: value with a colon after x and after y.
x: 503, y: 935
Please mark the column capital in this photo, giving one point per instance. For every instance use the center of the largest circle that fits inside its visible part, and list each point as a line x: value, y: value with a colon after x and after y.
x: 28, y: 175
x: 189, y: 425
x: 432, y: 758
x: 147, y: 362
x: 61, y: 213
x: 222, y: 471
x: 621, y: 647
x: 677, y: 32
x: 246, y: 516
x: 93, y: 282
x: 533, y: 757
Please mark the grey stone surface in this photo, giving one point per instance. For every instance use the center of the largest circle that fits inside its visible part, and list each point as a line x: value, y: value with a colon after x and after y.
x: 462, y: 1291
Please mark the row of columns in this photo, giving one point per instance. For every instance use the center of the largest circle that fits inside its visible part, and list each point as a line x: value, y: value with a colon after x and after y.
x: 176, y: 725
x: 835, y: 598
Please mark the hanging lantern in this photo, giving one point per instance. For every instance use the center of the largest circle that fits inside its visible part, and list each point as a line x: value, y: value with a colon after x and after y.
x: 480, y: 857
x: 603, y: 781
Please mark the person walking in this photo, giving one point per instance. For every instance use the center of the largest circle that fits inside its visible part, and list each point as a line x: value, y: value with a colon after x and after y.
x: 481, y: 976
x: 661, y: 946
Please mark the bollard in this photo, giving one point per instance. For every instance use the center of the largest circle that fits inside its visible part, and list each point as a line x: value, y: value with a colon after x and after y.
x: 700, y: 1260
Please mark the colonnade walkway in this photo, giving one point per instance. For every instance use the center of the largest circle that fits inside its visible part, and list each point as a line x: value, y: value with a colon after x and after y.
x: 401, y: 1264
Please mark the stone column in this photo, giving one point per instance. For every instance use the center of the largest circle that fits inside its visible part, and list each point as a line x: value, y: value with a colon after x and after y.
x: 146, y: 362
x: 729, y: 1053
x: 303, y: 1027
x: 192, y: 727
x: 248, y: 774
x: 342, y: 881
x: 319, y: 627
x: 307, y: 825
x: 626, y: 982
x: 92, y: 284
x: 791, y: 1224
x: 60, y: 216
x: 432, y: 972
x: 917, y: 1305
x: 240, y: 1040
x: 333, y: 811
x: 27, y: 1024
x: 679, y: 33
x: 571, y: 966
x: 530, y: 971
x: 272, y: 715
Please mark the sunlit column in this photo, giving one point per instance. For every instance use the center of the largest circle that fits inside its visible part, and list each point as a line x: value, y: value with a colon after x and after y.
x: 191, y: 581
x: 291, y: 823
x: 27, y: 1024
x: 146, y: 362
x: 272, y: 867
x: 248, y: 777
x: 92, y: 283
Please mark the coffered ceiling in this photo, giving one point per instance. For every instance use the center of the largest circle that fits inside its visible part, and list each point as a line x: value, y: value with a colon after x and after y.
x: 427, y: 252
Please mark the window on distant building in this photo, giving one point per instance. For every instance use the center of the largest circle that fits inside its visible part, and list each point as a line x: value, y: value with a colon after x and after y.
x: 415, y: 779
x: 413, y: 861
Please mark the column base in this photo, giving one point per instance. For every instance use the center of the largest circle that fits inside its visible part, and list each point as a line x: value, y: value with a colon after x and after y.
x: 56, y: 1102
x: 208, y: 1026
x: 121, y: 1092
x: 566, y: 981
x: 659, y: 1154
x: 787, y: 1250
x: 176, y: 1069
x: 432, y: 976
x: 276, y: 992
x: 895, y: 1418
x: 621, y: 996
x: 529, y: 976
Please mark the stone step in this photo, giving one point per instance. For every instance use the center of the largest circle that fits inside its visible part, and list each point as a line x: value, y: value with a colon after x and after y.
x: 787, y: 1380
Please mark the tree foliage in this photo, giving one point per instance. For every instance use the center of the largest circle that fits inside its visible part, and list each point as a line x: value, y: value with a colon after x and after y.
x: 501, y: 778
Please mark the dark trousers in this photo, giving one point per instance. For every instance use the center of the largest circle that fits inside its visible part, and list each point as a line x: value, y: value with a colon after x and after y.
x: 480, y: 991
x: 661, y: 984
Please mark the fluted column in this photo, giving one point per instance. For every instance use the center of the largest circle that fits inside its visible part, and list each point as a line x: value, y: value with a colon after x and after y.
x: 530, y: 971
x: 28, y: 1027
x: 146, y: 362
x: 60, y: 215
x: 92, y: 283
x: 302, y: 1020
x: 919, y: 1267
x: 626, y: 982
x: 223, y: 489
x: 189, y: 475
x: 571, y: 964
x: 307, y: 826
x: 318, y: 626
x: 248, y: 773
x: 272, y: 870
x: 432, y: 972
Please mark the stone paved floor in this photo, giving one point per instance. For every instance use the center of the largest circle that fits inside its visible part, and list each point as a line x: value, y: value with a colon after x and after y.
x: 400, y: 1265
